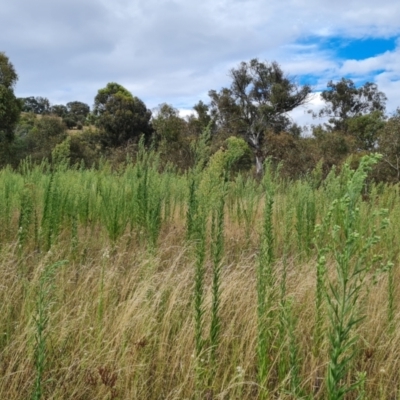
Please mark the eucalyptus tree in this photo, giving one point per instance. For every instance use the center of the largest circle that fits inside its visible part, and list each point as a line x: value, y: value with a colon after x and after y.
x: 258, y: 100
x: 344, y: 101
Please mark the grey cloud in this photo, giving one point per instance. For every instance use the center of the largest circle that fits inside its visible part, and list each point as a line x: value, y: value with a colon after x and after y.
x: 172, y: 50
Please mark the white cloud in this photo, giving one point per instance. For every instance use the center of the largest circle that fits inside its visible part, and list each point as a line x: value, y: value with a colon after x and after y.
x: 184, y: 113
x: 303, y: 115
x: 387, y: 61
x: 391, y: 88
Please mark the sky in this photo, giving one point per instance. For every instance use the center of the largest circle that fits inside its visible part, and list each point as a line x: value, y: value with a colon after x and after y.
x: 175, y: 51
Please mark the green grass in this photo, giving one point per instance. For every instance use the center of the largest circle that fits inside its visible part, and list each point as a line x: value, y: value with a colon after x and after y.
x: 197, y: 286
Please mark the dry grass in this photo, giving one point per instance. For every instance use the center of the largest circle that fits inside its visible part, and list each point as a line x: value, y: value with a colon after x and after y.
x: 143, y: 346
x: 121, y: 321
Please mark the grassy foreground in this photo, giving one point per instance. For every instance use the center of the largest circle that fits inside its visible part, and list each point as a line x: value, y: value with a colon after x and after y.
x: 141, y: 285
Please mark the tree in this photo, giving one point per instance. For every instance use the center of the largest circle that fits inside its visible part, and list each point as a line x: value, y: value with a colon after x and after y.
x: 121, y: 117
x: 36, y: 137
x: 167, y: 123
x: 77, y: 112
x: 365, y: 129
x: 36, y: 105
x: 78, y: 109
x: 50, y: 128
x: 203, y: 117
x: 74, y: 114
x: 46, y: 133
x: 171, y: 134
x: 258, y: 100
x: 10, y: 107
x: 345, y: 101
x: 59, y: 109
x: 199, y: 121
x: 389, y: 146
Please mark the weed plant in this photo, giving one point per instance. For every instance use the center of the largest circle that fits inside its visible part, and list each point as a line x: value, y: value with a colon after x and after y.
x: 350, y: 251
x: 271, y: 289
x: 266, y: 287
x: 217, y: 244
x: 43, y: 304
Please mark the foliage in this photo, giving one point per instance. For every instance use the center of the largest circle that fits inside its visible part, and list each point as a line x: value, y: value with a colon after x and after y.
x: 36, y: 105
x: 76, y: 114
x: 197, y: 123
x: 84, y: 148
x: 60, y: 156
x: 333, y: 147
x: 258, y: 99
x: 351, y: 251
x: 78, y: 109
x: 224, y: 160
x: 389, y: 147
x: 170, y: 134
x: 48, y: 129
x: 59, y: 109
x: 365, y: 129
x: 120, y: 116
x: 46, y: 133
x: 291, y: 152
x: 237, y: 154
x: 8, y: 76
x: 203, y: 116
x: 254, y: 107
x: 167, y: 124
x: 345, y: 101
x: 9, y: 105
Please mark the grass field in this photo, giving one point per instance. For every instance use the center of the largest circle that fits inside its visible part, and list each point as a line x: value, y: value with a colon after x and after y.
x: 144, y: 285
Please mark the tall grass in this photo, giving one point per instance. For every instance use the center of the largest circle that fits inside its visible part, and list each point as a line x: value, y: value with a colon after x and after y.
x: 43, y: 305
x: 198, y: 285
x: 351, y: 251
x: 266, y: 287
x: 217, y: 237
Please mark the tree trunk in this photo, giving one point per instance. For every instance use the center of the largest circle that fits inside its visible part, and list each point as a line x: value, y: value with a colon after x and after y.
x: 259, y: 163
x: 254, y: 141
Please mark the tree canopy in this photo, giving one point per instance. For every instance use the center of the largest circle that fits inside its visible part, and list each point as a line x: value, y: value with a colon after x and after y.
x: 258, y: 100
x: 120, y: 116
x: 59, y: 109
x: 10, y: 107
x: 78, y: 110
x: 36, y: 105
x: 167, y: 123
x: 389, y: 146
x: 253, y: 107
x: 345, y: 101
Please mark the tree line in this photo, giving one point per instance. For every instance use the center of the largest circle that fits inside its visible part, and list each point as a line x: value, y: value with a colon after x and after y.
x: 255, y: 108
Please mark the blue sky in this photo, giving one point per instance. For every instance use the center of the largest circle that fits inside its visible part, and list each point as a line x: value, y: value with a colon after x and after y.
x: 340, y: 49
x: 361, y: 48
x: 344, y: 48
x: 362, y: 59
x: 175, y: 51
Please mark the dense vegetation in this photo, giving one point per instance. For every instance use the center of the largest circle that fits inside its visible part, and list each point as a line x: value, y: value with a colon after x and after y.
x: 254, y: 107
x: 144, y: 257
x: 141, y: 284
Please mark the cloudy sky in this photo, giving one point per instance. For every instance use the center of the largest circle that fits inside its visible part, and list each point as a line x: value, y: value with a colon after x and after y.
x: 175, y: 51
